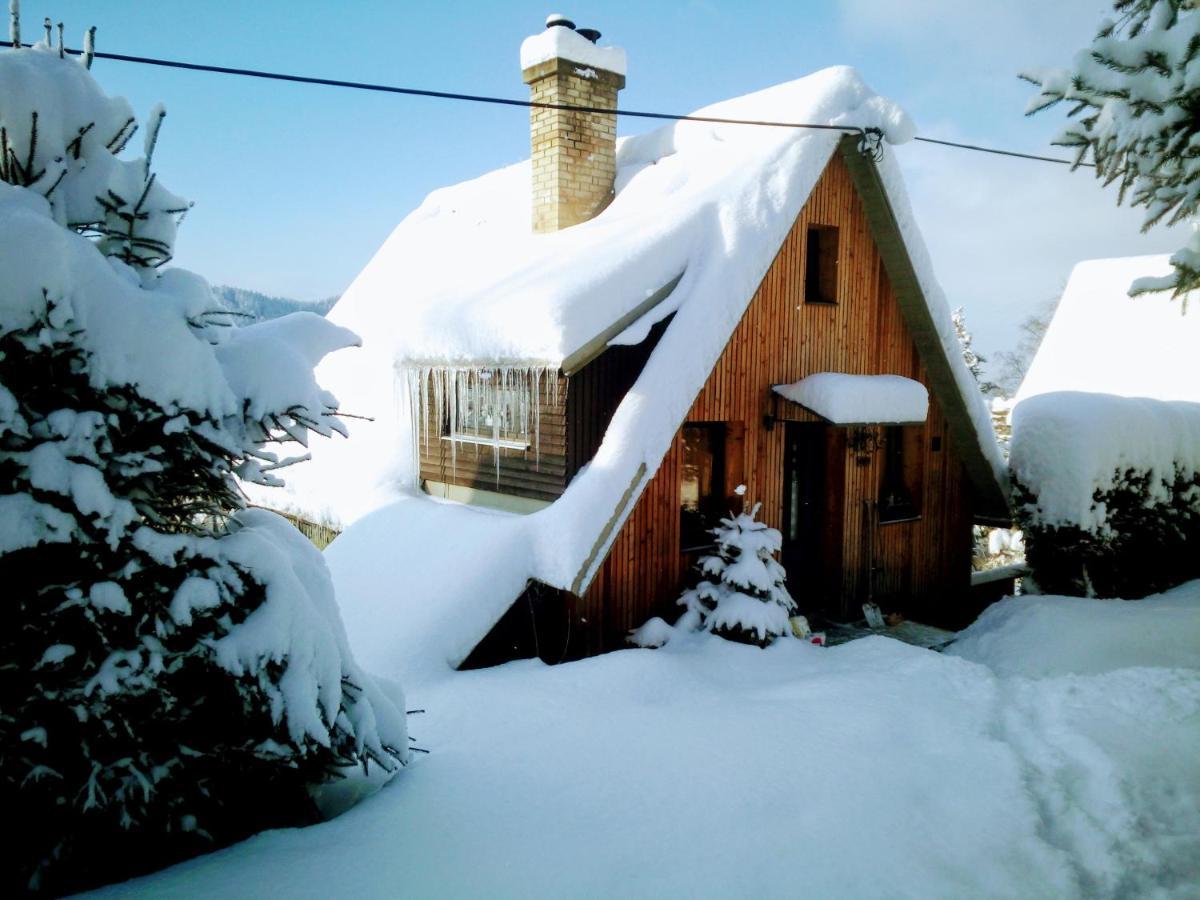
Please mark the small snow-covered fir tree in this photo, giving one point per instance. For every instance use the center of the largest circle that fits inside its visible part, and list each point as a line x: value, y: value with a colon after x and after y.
x: 742, y: 596
x: 973, y: 360
x: 173, y: 667
x: 1133, y: 96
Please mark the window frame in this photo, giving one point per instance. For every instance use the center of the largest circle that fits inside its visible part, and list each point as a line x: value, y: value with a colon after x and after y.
x: 510, y: 398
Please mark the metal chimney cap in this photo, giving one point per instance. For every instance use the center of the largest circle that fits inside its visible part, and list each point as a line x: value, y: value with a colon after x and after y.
x: 590, y: 33
x: 555, y: 19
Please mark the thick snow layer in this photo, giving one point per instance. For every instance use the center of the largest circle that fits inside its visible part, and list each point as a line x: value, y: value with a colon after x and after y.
x: 421, y: 582
x: 701, y: 768
x: 1037, y: 636
x: 1104, y: 341
x: 1068, y: 445
x: 856, y: 399
x: 566, y: 43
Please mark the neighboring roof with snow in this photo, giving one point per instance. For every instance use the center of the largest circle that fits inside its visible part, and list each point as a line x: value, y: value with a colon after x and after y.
x: 1103, y: 341
x: 464, y: 281
x: 859, y: 399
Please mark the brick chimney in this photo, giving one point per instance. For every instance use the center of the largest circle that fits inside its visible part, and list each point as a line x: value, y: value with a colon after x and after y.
x: 574, y: 154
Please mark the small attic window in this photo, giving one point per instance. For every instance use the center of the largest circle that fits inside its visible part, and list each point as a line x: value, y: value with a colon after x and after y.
x: 821, y: 264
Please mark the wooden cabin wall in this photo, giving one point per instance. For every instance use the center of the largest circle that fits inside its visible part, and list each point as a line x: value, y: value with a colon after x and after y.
x: 779, y: 340
x: 539, y: 473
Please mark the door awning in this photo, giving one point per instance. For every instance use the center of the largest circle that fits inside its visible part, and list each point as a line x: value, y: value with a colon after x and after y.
x: 860, y: 399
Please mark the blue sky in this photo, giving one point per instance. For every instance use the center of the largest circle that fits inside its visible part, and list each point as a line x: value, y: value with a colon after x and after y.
x: 297, y: 186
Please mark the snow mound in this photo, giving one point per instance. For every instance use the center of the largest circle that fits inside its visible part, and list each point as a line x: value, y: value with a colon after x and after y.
x: 857, y: 399
x: 1041, y: 636
x: 566, y: 43
x: 1068, y: 446
x: 421, y: 582
x: 953, y: 782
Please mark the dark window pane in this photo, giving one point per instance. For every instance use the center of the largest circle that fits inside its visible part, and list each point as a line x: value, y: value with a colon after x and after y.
x: 901, y: 488
x: 821, y: 264
x: 702, y: 491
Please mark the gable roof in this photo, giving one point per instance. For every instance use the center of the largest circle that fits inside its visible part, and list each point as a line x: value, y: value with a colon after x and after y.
x: 1103, y: 341
x: 462, y: 281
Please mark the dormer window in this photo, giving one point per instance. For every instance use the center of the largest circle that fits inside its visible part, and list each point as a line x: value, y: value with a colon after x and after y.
x: 821, y: 264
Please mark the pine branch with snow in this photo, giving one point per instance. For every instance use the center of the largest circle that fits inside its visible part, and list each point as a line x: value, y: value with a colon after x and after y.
x: 1133, y: 96
x: 174, y: 667
x: 742, y: 596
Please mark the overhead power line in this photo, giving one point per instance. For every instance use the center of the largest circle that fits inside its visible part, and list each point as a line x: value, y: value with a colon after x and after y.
x: 528, y: 104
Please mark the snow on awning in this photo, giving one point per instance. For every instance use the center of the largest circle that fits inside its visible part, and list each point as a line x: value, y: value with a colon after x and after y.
x: 860, y: 399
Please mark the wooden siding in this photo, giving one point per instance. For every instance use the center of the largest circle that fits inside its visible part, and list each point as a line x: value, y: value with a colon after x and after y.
x: 923, y: 565
x: 539, y: 472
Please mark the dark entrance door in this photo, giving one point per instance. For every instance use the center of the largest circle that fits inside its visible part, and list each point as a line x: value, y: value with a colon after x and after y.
x: 804, y: 513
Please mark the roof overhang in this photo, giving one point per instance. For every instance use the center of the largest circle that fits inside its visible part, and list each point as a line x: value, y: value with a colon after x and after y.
x: 991, y: 497
x: 599, y: 343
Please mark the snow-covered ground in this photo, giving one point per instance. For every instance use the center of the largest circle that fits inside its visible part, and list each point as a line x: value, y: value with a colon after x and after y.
x: 1054, y: 752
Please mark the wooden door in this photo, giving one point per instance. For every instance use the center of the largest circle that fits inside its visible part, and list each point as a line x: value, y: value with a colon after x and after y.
x: 805, y: 511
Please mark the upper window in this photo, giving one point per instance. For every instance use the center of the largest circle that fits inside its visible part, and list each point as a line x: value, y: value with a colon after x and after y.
x: 489, y: 412
x: 821, y: 264
x: 900, y: 491
x: 702, y: 484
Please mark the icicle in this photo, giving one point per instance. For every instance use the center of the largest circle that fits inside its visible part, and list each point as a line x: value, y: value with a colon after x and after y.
x: 46, y: 24
x: 14, y: 23
x: 491, y: 409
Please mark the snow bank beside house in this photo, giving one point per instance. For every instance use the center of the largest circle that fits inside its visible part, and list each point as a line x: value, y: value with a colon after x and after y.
x: 422, y: 581
x: 1069, y: 446
x: 901, y: 772
x: 856, y: 399
x: 1038, y: 636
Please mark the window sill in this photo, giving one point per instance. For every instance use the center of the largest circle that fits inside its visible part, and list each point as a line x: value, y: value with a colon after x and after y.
x: 900, y: 521
x: 808, y: 302
x: 486, y: 441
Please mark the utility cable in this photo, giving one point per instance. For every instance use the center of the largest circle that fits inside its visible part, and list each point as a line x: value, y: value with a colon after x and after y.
x: 531, y: 104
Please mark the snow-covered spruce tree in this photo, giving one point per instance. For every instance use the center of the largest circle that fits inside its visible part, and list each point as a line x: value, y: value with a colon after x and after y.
x: 742, y: 596
x: 973, y: 360
x: 173, y: 668
x: 1134, y: 96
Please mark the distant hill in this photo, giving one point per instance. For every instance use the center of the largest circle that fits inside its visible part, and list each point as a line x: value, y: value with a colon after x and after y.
x: 262, y: 306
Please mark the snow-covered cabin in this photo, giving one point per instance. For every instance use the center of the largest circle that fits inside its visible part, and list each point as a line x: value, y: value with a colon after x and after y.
x: 1106, y: 436
x: 701, y: 306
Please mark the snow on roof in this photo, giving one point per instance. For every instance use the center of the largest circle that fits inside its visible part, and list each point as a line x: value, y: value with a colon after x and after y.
x: 1103, y: 341
x: 858, y: 399
x: 567, y: 43
x: 464, y: 281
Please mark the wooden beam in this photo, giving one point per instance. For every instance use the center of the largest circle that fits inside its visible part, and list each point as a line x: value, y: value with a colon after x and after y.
x: 579, y: 585
x: 991, y: 498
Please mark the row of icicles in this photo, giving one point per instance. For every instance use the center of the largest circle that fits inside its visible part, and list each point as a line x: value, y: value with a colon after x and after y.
x: 479, y: 407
